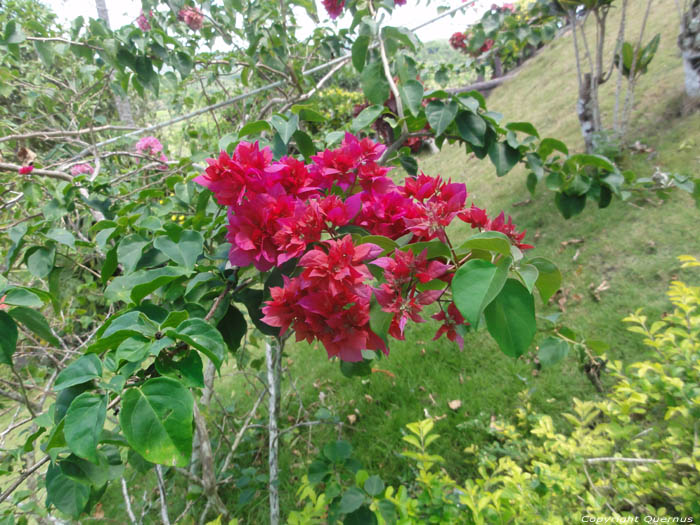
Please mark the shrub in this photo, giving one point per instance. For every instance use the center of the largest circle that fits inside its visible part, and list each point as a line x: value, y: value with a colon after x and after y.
x: 633, y: 455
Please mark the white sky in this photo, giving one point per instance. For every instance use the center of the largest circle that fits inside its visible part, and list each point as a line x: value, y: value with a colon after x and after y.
x: 123, y: 12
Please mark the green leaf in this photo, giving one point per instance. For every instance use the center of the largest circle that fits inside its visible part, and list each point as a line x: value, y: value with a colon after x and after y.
x: 84, y: 422
x: 361, y: 516
x: 189, y: 367
x: 409, y: 163
x: 510, y: 318
x: 529, y: 274
x: 491, y: 241
x: 45, y: 52
x: 254, y: 128
x: 379, y: 320
x: 338, y: 451
x: 13, y: 34
x: 82, y: 370
x: 156, y: 419
x: 552, y: 350
x: 305, y: 144
x: 35, y: 322
x: 475, y: 284
x: 110, y: 265
x: 202, y: 336
x: 548, y: 278
x: 8, y: 338
x: 440, y: 115
x: 524, y: 127
x: 68, y: 495
x: 374, y: 85
x: 232, y: 328
x: 570, y: 205
x: 359, y: 52
x: 472, y: 128
x: 356, y: 369
x: 62, y: 236
x: 352, y: 499
x: 412, y: 93
x: 434, y: 249
x: 285, y: 128
x: 183, y: 63
x: 576, y: 162
x: 366, y: 117
x: 40, y: 262
x: 129, y: 251
x: 548, y: 145
x: 252, y: 299
x: 134, y: 287
x: 185, y: 251
x: 374, y: 485
x: 504, y: 157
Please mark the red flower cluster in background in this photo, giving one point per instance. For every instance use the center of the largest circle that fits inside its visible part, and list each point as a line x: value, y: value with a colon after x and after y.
x: 487, y: 45
x: 286, y: 209
x: 143, y: 22
x: 192, y: 16
x: 457, y: 40
x: 334, y: 8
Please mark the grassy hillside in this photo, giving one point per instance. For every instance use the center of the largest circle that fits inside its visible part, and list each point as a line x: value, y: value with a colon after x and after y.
x: 631, y: 245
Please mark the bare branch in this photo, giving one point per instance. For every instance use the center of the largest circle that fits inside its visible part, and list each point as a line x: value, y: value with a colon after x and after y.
x: 6, y: 166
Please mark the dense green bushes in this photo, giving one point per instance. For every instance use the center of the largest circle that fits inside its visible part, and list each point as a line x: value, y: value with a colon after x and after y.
x: 634, y: 455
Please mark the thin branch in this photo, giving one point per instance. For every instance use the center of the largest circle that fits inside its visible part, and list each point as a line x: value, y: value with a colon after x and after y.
x: 644, y: 461
x: 161, y: 492
x: 21, y: 479
x: 36, y: 171
x: 59, y: 134
x: 127, y: 502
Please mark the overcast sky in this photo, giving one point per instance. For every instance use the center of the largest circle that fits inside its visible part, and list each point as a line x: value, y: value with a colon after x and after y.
x: 123, y: 12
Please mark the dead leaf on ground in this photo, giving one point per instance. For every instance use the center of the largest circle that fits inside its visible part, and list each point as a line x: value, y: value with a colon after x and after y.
x: 432, y: 399
x: 26, y: 156
x: 522, y: 203
x: 369, y: 398
x: 455, y: 404
x: 641, y: 148
x: 352, y: 418
x: 597, y: 290
x: 440, y: 418
x: 570, y: 242
x: 576, y: 255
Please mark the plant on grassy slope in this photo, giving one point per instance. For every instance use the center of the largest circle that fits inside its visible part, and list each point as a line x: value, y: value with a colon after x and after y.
x: 633, y: 455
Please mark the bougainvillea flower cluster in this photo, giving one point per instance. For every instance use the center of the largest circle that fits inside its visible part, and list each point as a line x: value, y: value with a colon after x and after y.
x: 26, y: 170
x: 457, y: 40
x: 284, y: 210
x: 149, y: 146
x: 192, y: 16
x: 334, y: 8
x: 79, y: 169
x: 477, y: 218
x: 143, y: 22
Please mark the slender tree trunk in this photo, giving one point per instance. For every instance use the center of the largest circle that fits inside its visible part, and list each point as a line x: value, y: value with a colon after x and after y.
x: 689, y: 42
x: 273, y: 353
x: 586, y: 112
x: 123, y: 105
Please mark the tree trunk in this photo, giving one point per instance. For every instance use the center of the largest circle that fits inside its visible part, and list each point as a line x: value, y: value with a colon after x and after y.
x: 123, y: 105
x: 273, y: 354
x: 585, y: 108
x: 689, y: 42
